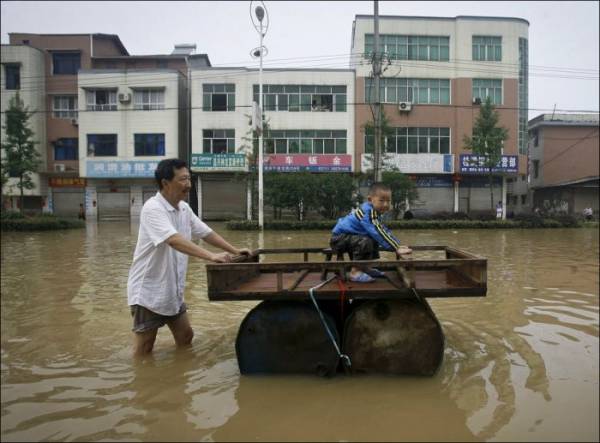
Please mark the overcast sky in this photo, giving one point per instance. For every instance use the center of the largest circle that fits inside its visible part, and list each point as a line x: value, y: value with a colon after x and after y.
x: 563, y: 36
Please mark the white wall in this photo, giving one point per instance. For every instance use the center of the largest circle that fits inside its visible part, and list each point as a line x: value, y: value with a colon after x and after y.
x: 33, y: 94
x: 245, y: 79
x: 126, y: 121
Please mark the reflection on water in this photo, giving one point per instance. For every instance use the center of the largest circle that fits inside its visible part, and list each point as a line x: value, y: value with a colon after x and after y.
x: 520, y: 364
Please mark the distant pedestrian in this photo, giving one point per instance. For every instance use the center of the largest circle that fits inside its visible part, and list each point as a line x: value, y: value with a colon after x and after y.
x: 499, y: 210
x: 588, y: 213
x: 81, y: 215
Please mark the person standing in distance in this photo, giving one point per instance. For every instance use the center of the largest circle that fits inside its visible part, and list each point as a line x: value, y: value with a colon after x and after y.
x: 157, y: 275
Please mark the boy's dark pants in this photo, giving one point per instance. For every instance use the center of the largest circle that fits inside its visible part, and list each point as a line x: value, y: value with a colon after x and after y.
x: 358, y: 247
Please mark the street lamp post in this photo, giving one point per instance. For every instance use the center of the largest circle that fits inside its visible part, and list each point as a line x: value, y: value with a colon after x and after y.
x: 260, y: 12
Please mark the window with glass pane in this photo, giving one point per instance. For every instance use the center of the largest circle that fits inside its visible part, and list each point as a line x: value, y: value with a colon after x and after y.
x: 102, y: 100
x: 148, y: 99
x: 306, y: 146
x: 12, y: 74
x: 369, y: 144
x: 64, y: 106
x: 101, y: 145
x: 281, y: 146
x: 329, y: 146
x: 66, y: 63
x: 66, y: 149
x: 294, y: 146
x: 340, y: 146
x: 149, y: 144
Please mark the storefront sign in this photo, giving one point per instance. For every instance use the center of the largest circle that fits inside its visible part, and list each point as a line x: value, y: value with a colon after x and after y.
x: 434, y: 182
x: 218, y: 162
x: 120, y: 169
x: 476, y: 163
x: 413, y: 163
x: 308, y: 162
x: 66, y: 182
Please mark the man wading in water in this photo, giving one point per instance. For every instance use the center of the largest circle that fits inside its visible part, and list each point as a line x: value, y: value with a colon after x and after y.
x: 157, y: 274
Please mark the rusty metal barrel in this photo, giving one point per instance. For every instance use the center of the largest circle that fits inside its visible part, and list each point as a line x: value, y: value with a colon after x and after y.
x: 286, y: 337
x: 394, y: 337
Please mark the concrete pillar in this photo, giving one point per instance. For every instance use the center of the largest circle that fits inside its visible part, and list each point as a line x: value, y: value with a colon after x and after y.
x: 137, y: 200
x: 91, y: 203
x: 456, y: 194
x: 199, y: 194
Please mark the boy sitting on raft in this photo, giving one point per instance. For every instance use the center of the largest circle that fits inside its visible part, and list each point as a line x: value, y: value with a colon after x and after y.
x: 361, y: 233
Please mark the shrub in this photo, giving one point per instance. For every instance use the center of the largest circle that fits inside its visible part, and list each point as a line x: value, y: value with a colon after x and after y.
x: 39, y: 223
x: 11, y: 215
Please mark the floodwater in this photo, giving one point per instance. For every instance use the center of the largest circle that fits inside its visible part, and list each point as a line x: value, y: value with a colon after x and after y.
x: 519, y: 364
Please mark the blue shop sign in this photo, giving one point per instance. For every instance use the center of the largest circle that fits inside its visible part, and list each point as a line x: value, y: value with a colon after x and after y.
x: 476, y: 163
x: 226, y: 162
x: 120, y: 169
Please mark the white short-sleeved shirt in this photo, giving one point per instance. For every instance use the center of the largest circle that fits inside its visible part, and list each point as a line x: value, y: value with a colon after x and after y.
x: 157, y: 274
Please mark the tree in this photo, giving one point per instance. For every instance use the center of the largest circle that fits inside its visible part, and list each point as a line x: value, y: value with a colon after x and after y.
x: 386, y: 131
x: 402, y: 187
x: 21, y: 159
x: 487, y: 140
x: 334, y: 193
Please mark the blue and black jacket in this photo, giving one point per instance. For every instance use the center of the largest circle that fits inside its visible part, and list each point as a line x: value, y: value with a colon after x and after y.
x: 366, y: 221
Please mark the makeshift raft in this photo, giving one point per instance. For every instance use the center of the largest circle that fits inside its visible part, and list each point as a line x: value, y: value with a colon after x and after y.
x: 313, y: 319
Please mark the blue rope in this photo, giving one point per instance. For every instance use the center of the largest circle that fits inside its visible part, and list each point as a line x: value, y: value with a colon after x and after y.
x: 344, y: 357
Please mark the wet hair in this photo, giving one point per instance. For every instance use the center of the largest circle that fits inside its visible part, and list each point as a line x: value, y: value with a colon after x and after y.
x: 379, y: 186
x: 166, y: 170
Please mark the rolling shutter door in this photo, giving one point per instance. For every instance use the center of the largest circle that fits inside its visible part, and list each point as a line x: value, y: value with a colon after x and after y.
x: 66, y: 202
x: 113, y: 205
x: 223, y: 199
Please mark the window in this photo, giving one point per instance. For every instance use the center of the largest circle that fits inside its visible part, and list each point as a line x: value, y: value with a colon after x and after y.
x: 101, y: 100
x: 148, y: 99
x: 101, y: 145
x: 413, y: 141
x: 306, y: 141
x: 482, y: 88
x: 12, y: 75
x: 415, y: 90
x: 536, y: 138
x: 524, y: 199
x: 308, y: 98
x: 487, y: 48
x: 64, y: 106
x: 149, y: 144
x: 66, y: 63
x: 218, y: 97
x: 536, y: 168
x: 218, y: 141
x: 66, y: 149
x: 410, y: 47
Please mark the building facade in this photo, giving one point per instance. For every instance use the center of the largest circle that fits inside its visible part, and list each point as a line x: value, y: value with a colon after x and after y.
x: 62, y: 189
x: 564, y: 162
x: 23, y: 73
x: 437, y: 72
x: 311, y: 127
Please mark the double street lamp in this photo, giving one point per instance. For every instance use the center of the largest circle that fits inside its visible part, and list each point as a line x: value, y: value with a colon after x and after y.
x: 262, y: 16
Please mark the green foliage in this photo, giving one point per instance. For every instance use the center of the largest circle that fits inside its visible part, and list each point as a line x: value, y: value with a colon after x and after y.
x: 369, y: 130
x: 334, y: 194
x: 278, y: 225
x: 7, y: 214
x: 487, y: 140
x: 39, y: 223
x: 402, y: 188
x: 21, y: 158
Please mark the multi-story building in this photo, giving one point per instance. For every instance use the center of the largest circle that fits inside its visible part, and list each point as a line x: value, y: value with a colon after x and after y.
x: 135, y: 114
x: 311, y: 127
x: 99, y: 129
x: 437, y: 72
x: 23, y: 73
x: 55, y: 85
x: 564, y: 163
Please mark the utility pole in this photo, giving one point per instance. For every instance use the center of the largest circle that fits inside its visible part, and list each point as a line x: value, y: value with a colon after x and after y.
x: 377, y: 113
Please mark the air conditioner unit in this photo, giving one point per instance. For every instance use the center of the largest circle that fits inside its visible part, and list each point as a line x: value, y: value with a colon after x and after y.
x: 404, y: 106
x: 75, y: 122
x: 59, y: 167
x: 124, y: 97
x: 477, y: 101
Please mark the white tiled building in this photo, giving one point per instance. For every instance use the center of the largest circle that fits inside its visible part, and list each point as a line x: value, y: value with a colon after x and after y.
x: 23, y: 72
x: 128, y: 122
x: 311, y: 124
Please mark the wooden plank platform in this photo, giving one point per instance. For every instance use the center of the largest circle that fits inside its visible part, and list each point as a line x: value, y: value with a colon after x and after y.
x: 460, y: 274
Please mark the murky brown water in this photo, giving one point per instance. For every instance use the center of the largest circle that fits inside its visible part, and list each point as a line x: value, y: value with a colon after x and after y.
x: 520, y: 364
